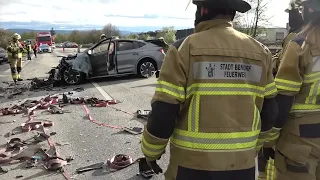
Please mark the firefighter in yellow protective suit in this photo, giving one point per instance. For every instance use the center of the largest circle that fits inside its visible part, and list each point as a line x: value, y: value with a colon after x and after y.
x: 266, y: 155
x: 29, y: 49
x: 297, y: 153
x: 215, y: 100
x: 103, y: 36
x: 15, y: 50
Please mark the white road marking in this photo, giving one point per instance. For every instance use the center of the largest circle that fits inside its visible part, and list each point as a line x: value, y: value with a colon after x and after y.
x: 102, y: 92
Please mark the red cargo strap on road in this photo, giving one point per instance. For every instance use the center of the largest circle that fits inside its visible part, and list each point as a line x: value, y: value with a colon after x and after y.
x: 97, y: 122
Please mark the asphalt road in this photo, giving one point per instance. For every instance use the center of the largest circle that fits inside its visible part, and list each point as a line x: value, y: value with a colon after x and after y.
x: 88, y: 142
x: 76, y: 135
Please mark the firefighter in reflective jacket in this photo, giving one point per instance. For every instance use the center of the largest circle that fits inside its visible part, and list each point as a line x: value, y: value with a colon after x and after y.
x: 15, y: 50
x: 29, y: 49
x: 266, y: 155
x: 214, y: 100
x: 297, y: 153
x: 295, y: 23
x: 103, y: 36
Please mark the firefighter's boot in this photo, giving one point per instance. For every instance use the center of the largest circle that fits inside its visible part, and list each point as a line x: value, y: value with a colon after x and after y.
x: 19, y: 78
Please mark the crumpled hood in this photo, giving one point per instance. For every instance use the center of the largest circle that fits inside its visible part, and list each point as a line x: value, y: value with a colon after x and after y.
x: 81, y: 63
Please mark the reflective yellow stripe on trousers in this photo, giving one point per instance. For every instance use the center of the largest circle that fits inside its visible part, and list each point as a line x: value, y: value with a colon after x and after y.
x: 270, y: 169
x: 217, y: 141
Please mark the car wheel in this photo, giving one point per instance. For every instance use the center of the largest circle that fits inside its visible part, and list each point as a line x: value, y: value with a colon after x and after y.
x: 72, y: 77
x: 146, y: 68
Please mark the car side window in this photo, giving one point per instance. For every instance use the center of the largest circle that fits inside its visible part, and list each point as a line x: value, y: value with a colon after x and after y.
x: 125, y: 45
x: 101, y: 48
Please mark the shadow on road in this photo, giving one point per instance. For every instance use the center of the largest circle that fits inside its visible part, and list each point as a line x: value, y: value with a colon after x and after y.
x: 117, y: 80
x: 147, y: 85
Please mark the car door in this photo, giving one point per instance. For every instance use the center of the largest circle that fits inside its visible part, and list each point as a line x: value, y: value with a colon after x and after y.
x: 127, y: 56
x: 98, y: 59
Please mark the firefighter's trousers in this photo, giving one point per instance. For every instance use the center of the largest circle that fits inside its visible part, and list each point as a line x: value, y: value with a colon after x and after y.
x: 265, y: 167
x: 177, y: 172
x: 298, y: 148
x: 29, y: 55
x: 16, y: 67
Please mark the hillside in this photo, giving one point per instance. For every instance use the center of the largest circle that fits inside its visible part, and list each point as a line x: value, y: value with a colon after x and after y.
x: 20, y: 31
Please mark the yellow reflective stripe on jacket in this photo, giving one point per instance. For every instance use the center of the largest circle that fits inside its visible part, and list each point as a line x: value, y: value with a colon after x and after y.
x: 171, y: 89
x: 225, y: 89
x: 215, y: 141
x: 19, y: 55
x: 193, y: 114
x: 297, y: 106
x: 314, y: 93
x: 288, y: 85
x: 311, y: 78
x: 256, y: 125
x: 274, y: 134
x: 150, y: 149
x: 270, y: 89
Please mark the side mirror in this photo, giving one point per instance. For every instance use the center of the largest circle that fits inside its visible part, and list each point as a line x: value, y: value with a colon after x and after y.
x: 90, y: 52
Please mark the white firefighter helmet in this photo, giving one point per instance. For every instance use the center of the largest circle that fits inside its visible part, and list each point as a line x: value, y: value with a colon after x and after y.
x: 16, y: 36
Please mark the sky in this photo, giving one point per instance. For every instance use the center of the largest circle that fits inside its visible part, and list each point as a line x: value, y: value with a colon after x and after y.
x: 122, y: 13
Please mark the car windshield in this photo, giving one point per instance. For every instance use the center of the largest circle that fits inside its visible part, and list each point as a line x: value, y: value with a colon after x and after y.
x: 44, y: 46
x: 44, y: 38
x: 2, y: 51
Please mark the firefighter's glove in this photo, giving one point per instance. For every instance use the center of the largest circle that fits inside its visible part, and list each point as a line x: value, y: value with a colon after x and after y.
x: 154, y: 166
x: 268, y: 153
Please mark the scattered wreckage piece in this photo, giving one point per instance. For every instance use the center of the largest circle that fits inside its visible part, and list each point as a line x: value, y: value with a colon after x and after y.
x: 143, y: 114
x: 116, y: 163
x: 133, y: 130
x: 16, y: 149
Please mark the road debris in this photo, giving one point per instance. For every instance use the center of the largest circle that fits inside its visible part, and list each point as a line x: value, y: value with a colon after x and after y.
x: 3, y: 171
x: 70, y: 158
x: 78, y: 89
x: 62, y: 144
x: 91, y: 167
x: 120, y: 161
x: 133, y: 130
x: 143, y: 114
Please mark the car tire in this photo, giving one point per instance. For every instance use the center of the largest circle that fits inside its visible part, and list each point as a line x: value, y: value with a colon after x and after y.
x: 146, y: 68
x: 72, y: 77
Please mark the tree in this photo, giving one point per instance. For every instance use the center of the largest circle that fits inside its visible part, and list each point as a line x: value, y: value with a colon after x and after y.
x: 60, y: 38
x: 29, y: 35
x: 168, y: 34
x: 133, y: 36
x: 144, y: 37
x: 5, y: 37
x: 110, y: 30
x: 252, y: 22
x: 75, y: 36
